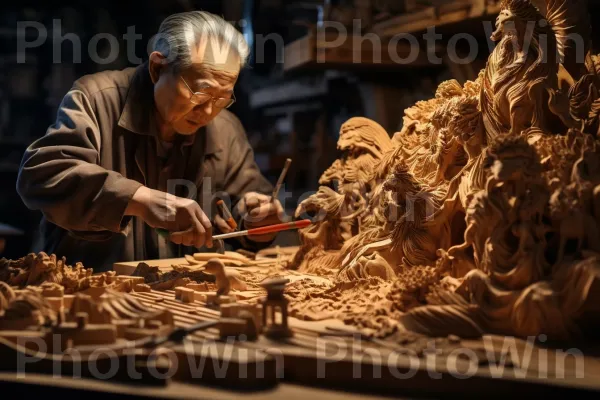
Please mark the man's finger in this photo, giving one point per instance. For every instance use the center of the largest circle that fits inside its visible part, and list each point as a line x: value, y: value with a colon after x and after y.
x: 255, y: 199
x: 265, y: 210
x: 185, y: 238
x: 222, y: 224
x: 251, y: 202
x: 207, y: 227
x: 279, y: 209
x: 200, y: 236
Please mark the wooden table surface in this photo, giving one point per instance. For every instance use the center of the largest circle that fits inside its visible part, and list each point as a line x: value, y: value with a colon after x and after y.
x: 300, y: 363
x: 48, y: 387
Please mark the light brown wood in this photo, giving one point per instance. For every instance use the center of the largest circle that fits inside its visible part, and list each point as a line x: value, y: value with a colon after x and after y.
x: 141, y: 287
x: 187, y: 295
x: 229, y: 256
x: 127, y: 267
x: 231, y: 327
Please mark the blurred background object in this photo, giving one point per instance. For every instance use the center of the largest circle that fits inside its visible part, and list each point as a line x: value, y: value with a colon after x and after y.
x: 7, y: 232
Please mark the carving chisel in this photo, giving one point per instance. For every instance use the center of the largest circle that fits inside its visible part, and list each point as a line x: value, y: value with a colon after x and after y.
x: 284, y: 172
x: 255, y: 231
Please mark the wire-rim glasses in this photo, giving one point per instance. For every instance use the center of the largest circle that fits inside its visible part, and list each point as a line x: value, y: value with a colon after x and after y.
x: 199, y: 98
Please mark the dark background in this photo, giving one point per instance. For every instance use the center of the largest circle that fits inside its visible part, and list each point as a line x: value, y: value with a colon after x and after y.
x: 287, y: 112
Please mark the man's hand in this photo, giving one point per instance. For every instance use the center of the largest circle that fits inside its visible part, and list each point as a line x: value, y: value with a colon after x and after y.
x: 222, y: 224
x: 259, y: 210
x: 183, y: 218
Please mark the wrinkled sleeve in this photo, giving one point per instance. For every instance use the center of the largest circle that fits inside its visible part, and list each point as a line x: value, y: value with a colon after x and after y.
x: 244, y: 176
x: 60, y: 173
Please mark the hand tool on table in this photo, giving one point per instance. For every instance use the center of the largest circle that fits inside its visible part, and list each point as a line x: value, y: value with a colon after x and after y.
x: 303, y: 223
x: 284, y: 172
x: 176, y: 336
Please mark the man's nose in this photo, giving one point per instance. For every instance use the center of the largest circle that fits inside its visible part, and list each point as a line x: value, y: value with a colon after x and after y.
x: 204, y: 108
x: 207, y: 107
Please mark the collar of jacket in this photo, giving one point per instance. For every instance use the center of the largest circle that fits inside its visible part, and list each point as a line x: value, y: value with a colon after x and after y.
x: 138, y: 113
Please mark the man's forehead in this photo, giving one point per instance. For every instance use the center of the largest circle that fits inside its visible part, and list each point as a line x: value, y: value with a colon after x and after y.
x: 216, y: 54
x: 204, y: 75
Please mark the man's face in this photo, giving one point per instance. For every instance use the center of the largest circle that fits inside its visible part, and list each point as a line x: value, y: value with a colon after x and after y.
x: 212, y: 72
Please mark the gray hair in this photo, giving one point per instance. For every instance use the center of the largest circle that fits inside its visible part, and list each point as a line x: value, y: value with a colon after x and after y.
x: 179, y: 32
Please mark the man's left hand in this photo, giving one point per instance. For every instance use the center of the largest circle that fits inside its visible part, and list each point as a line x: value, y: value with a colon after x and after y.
x: 258, y: 210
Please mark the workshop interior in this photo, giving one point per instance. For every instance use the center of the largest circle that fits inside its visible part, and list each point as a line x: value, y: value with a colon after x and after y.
x: 326, y: 198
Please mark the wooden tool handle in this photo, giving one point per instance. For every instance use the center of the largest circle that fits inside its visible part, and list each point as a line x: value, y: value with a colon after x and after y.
x: 279, y: 227
x: 226, y: 214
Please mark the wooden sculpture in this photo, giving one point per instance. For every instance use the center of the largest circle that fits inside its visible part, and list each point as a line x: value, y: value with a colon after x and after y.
x: 482, y: 214
x: 275, y: 305
x: 225, y: 280
x: 37, y: 269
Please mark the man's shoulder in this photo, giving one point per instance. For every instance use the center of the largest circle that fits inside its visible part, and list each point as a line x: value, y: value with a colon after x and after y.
x: 225, y: 130
x: 228, y: 126
x: 116, y: 80
x: 227, y: 119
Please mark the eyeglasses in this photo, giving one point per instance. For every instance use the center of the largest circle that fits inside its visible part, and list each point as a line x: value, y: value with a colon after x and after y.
x: 199, y: 98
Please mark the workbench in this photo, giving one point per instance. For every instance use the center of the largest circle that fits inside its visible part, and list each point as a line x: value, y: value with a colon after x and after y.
x: 316, y: 363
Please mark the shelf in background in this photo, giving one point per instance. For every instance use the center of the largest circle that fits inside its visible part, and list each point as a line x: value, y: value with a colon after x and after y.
x: 315, y: 51
x: 451, y: 12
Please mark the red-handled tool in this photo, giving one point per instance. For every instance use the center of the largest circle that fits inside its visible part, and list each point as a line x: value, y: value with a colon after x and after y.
x: 303, y: 223
x: 226, y: 215
x: 266, y: 229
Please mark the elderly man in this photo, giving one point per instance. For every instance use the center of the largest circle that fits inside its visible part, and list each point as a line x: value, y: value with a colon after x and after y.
x: 139, y: 149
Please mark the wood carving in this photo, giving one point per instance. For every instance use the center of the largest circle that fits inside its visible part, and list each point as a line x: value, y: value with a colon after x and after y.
x: 178, y: 276
x: 39, y: 269
x: 225, y: 280
x: 482, y: 214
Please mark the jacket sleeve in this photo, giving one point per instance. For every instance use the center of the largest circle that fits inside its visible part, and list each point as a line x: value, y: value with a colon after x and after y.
x: 244, y: 176
x: 60, y: 173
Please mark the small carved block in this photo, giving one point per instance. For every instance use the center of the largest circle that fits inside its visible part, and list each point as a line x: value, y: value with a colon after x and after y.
x: 121, y: 325
x: 134, y: 279
x: 53, y: 291
x: 186, y: 295
x: 95, y: 335
x: 236, y: 310
x: 140, y: 333
x: 224, y: 299
x: 198, y: 287
x: 56, y: 303
x: 211, y: 298
x: 229, y: 310
x: 154, y: 324
x: 231, y: 327
x: 68, y: 300
x: 142, y: 287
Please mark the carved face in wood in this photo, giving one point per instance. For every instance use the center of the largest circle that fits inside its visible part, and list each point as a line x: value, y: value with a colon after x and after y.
x: 504, y: 23
x: 214, y: 266
x: 513, y: 159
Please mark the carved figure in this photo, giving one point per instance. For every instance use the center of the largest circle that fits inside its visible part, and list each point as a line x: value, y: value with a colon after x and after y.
x: 491, y: 187
x: 226, y: 280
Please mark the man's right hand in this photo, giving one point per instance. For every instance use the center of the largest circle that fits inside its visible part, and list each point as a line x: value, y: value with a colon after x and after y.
x: 183, y: 218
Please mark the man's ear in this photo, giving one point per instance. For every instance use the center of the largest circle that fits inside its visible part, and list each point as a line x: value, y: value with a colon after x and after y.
x: 157, y: 64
